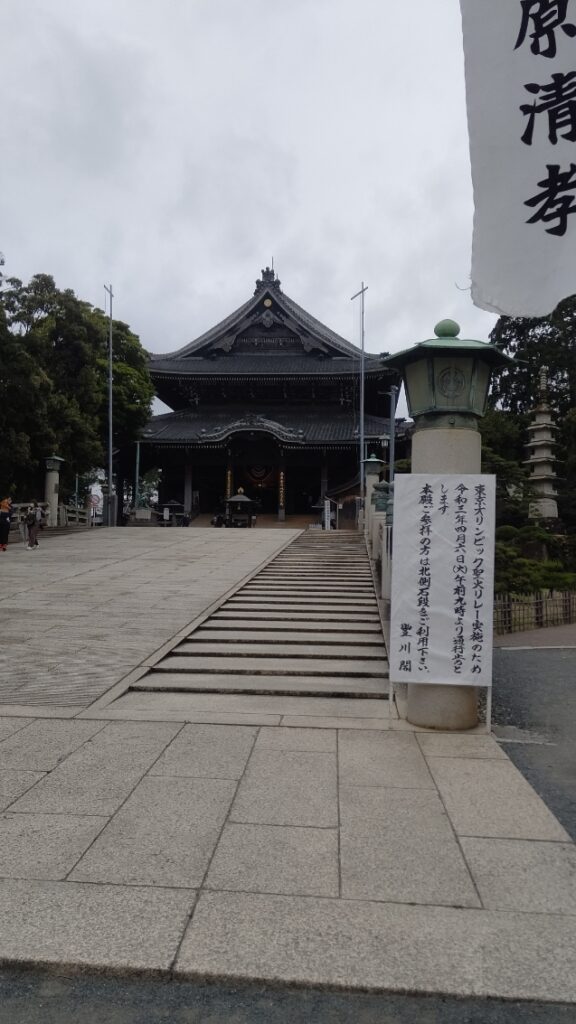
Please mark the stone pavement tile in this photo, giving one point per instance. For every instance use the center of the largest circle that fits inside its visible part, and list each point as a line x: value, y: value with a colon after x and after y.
x: 398, y: 845
x: 515, y: 874
x: 492, y: 799
x: 381, y: 947
x: 173, y: 714
x: 445, y: 745
x: 14, y: 783
x: 41, y: 745
x: 388, y: 759
x: 73, y: 789
x: 297, y: 739
x: 276, y: 859
x: 44, y: 845
x: 8, y: 726
x: 164, y: 835
x: 207, y: 751
x: 125, y: 744
x: 327, y: 722
x: 285, y: 787
x: 246, y: 704
x: 96, y: 926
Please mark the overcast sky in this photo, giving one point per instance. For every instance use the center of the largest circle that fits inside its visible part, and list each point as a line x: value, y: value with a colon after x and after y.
x: 173, y: 148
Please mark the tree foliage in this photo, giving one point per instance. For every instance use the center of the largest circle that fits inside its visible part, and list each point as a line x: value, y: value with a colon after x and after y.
x: 54, y: 384
x: 502, y: 454
x: 536, y: 343
x: 529, y: 560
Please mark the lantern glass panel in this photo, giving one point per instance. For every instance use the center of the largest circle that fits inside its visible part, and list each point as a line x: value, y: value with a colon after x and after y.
x: 480, y: 386
x: 419, y: 393
x: 452, y: 380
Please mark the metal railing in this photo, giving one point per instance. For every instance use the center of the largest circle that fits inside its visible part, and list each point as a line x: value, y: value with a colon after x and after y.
x: 514, y: 613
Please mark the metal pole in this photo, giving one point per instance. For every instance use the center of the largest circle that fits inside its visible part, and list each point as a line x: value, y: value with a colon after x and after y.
x: 361, y: 293
x: 137, y: 476
x: 110, y: 519
x: 392, y: 449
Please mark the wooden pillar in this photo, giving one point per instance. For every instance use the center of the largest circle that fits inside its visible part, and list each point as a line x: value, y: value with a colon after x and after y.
x: 229, y: 478
x: 323, y: 481
x: 188, y: 486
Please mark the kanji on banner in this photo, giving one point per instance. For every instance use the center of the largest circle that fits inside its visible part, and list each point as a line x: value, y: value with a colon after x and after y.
x: 520, y: 59
x: 442, y: 579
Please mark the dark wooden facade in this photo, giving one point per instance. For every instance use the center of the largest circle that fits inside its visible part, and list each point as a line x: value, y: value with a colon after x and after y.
x: 267, y: 400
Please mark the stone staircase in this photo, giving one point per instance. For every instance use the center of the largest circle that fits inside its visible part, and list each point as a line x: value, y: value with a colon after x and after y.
x: 307, y: 624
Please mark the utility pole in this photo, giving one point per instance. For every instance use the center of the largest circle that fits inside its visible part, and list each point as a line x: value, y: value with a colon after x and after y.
x: 110, y: 518
x: 361, y: 293
x: 392, y: 449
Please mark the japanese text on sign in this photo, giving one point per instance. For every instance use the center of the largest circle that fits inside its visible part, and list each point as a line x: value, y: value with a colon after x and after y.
x: 442, y: 579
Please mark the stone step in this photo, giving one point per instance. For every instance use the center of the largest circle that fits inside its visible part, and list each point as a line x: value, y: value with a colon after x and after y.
x: 273, y: 569
x: 307, y: 597
x: 286, y: 636
x: 312, y: 594
x: 298, y: 616
x: 340, y: 577
x: 306, y: 686
x: 250, y: 648
x: 274, y: 666
x: 307, y: 604
x: 317, y: 586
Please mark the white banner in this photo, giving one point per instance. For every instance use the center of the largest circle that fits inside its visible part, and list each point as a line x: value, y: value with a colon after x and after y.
x: 520, y: 58
x: 442, y: 579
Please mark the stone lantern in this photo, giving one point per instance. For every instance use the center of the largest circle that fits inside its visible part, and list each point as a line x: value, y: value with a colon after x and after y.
x: 51, y: 487
x: 446, y: 380
x: 372, y: 468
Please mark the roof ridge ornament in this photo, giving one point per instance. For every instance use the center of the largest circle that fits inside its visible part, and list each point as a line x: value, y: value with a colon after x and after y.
x: 268, y: 280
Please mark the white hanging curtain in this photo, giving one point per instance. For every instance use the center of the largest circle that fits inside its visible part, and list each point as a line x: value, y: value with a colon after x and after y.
x: 520, y: 59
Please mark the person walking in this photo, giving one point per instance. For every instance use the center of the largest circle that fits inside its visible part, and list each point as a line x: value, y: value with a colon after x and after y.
x: 34, y: 518
x: 5, y: 519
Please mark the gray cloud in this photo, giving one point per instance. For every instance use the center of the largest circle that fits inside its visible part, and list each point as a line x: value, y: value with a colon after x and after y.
x: 174, y: 149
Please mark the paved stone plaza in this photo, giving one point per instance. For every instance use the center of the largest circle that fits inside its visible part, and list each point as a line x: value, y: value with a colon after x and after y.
x: 296, y: 843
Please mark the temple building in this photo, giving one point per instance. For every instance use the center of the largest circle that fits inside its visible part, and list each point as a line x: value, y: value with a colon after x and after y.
x: 267, y: 400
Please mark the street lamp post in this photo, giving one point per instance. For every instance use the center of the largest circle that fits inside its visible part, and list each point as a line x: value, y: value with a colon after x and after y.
x: 361, y: 293
x: 392, y: 449
x: 137, y: 477
x: 110, y: 517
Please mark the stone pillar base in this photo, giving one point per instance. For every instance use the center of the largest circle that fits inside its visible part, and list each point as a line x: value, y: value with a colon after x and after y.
x: 442, y: 707
x: 281, y: 515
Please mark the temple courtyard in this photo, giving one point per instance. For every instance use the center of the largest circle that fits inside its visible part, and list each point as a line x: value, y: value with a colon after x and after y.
x: 201, y: 776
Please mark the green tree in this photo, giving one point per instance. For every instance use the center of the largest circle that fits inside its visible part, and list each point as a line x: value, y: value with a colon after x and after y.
x: 536, y: 343
x: 502, y: 454
x: 54, y: 372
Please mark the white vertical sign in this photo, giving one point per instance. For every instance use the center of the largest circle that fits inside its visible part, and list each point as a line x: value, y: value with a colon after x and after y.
x: 520, y: 58
x: 442, y: 579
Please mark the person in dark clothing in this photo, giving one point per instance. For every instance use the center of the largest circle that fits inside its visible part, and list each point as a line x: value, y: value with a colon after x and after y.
x: 5, y: 519
x: 34, y: 518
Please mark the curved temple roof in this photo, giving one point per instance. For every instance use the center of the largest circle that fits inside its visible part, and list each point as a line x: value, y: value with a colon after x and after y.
x: 270, y: 334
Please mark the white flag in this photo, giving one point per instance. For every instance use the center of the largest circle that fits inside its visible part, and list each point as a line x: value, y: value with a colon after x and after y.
x: 520, y: 58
